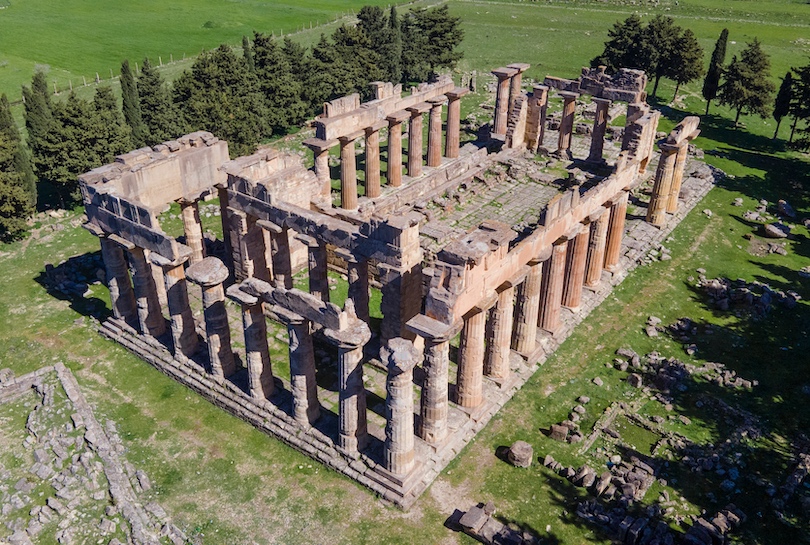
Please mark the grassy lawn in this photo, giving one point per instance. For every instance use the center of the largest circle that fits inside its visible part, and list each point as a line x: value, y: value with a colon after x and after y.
x: 224, y: 482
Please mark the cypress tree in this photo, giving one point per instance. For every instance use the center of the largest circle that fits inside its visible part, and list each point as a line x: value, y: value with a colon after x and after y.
x: 132, y: 106
x: 747, y: 86
x: 441, y: 34
x: 800, y: 105
x: 38, y: 120
x: 281, y: 90
x: 784, y: 97
x: 712, y: 81
x: 374, y: 23
x: 395, y: 46
x: 247, y: 53
x: 686, y: 62
x: 160, y: 116
x: 21, y: 163
x: 15, y: 205
x: 112, y: 134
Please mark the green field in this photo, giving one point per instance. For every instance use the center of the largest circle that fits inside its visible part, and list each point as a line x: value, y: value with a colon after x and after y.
x: 225, y: 483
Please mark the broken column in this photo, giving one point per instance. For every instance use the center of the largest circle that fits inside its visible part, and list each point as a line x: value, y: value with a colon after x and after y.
x: 306, y: 408
x: 122, y: 297
x: 552, y: 285
x: 528, y: 304
x: 470, y: 375
x: 536, y: 117
x: 357, y: 275
x: 613, y: 247
x: 516, y: 81
x: 320, y: 151
x: 499, y: 334
x: 575, y: 269
x: 595, y: 261
x: 566, y: 124
x: 452, y: 133
x: 184, y: 334
x: 434, y: 154
x: 352, y: 426
x: 280, y: 255
x: 504, y: 76
x: 210, y: 273
x: 193, y: 229
x: 257, y: 352
x: 659, y: 200
x: 415, y: 139
x: 318, y: 267
x: 150, y: 316
x: 677, y: 176
x: 394, y: 173
x: 599, y: 126
x: 348, y: 171
x: 373, y: 160
x: 400, y: 357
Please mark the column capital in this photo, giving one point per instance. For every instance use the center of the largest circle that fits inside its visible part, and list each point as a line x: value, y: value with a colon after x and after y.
x: 319, y: 145
x: 351, y: 137
x: 356, y: 335
x: 418, y: 109
x: 375, y: 127
x: 601, y: 101
x: 503, y: 73
x: 437, y: 101
x: 568, y: 95
x: 540, y: 88
x: 544, y: 255
x: 457, y: 93
x: 243, y: 298
x: 398, y: 117
x: 431, y: 329
x: 208, y: 272
x: 400, y: 356
x: 184, y: 254
x: 519, y: 66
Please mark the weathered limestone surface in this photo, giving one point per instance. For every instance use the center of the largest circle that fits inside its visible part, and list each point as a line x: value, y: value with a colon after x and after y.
x: 528, y: 306
x: 257, y: 351
x: 552, y: 286
x: 499, y: 335
x: 210, y: 273
x: 400, y: 357
x: 595, y: 262
x: 470, y: 376
x: 190, y: 212
x: 150, y: 317
x: 122, y: 295
x: 575, y: 269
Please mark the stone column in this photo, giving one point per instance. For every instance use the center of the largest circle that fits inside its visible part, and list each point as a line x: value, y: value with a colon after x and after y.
x: 659, y: 200
x: 528, y: 303
x: 434, y: 154
x: 504, y: 76
x: 122, y: 297
x: 394, y: 173
x: 536, y: 117
x: 613, y: 247
x: 282, y: 262
x: 452, y: 133
x: 150, y: 316
x: 470, y: 375
x: 566, y: 124
x: 306, y: 408
x: 320, y: 151
x: 353, y: 427
x: 415, y: 139
x: 599, y: 127
x: 552, y: 285
x: 210, y: 273
x: 184, y: 334
x: 253, y: 251
x: 357, y: 273
x: 499, y: 334
x: 373, y: 160
x: 193, y: 230
x: 257, y: 352
x: 224, y: 218
x: 348, y: 172
x: 318, y: 269
x: 677, y: 177
x: 516, y: 81
x: 400, y: 357
x: 595, y: 262
x: 575, y: 269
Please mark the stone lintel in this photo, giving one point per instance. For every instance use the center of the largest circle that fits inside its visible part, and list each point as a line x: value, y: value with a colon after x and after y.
x: 398, y: 117
x: 595, y: 215
x: 208, y: 272
x: 539, y: 88
x: 431, y: 329
x: 243, y: 298
x: 124, y: 243
x: 519, y: 66
x: 683, y: 130
x: 400, y: 356
x: 318, y: 144
x: 346, y: 255
x: 352, y: 136
x: 504, y: 72
x: 457, y: 93
x: 298, y: 302
x: 355, y: 335
x: 671, y: 148
x: 568, y: 94
x: 515, y: 280
x: 93, y: 229
x: 157, y: 259
x: 473, y: 247
x: 270, y: 226
x: 309, y: 241
x: 418, y: 109
x: 287, y: 317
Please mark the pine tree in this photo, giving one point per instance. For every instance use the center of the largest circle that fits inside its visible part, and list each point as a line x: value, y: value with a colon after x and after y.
x: 38, y: 119
x: 247, y: 53
x: 800, y: 105
x: 374, y: 23
x: 784, y: 98
x: 159, y: 114
x: 414, y: 64
x: 747, y: 86
x: 21, y: 157
x: 712, y: 81
x: 686, y: 62
x: 657, y: 52
x: 112, y: 134
x: 624, y: 47
x: 281, y: 89
x: 439, y: 35
x: 132, y: 106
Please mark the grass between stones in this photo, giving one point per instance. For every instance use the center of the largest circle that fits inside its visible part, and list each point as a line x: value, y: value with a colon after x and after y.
x: 224, y: 482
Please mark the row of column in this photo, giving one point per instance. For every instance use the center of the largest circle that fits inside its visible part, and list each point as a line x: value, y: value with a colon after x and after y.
x: 595, y: 153
x: 668, y: 180
x: 416, y: 158
x: 510, y: 318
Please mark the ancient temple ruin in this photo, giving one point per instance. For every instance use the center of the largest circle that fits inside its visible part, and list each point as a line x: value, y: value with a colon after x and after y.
x: 420, y: 233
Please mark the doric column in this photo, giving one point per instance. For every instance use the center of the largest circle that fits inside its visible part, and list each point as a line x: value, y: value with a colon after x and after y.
x: 395, y: 147
x: 677, y: 177
x: 499, y: 334
x: 470, y: 375
x: 659, y: 200
x: 434, y: 154
x: 318, y: 269
x: 357, y: 274
x: 225, y: 221
x: 453, y: 131
x: 613, y: 247
x: 352, y: 426
x: 599, y: 127
x: 516, y: 81
x: 210, y: 273
x: 400, y: 357
x: 257, y: 352
x: 536, y: 117
x: 184, y: 335
x: 528, y: 305
x: 504, y: 76
x: 150, y: 316
x: 193, y: 230
x: 595, y: 262
x: 415, y: 139
x: 551, y: 288
x: 348, y: 172
x: 306, y: 408
x: 253, y: 251
x: 122, y: 297
x: 280, y: 256
x: 566, y: 123
x: 373, y: 160
x: 575, y: 269
x: 320, y: 152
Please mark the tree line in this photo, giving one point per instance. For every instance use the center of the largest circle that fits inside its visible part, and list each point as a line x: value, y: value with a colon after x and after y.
x: 270, y: 87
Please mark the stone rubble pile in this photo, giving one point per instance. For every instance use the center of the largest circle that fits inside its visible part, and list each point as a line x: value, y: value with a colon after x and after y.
x: 73, y: 276
x: 480, y: 523
x: 626, y: 481
x: 755, y: 297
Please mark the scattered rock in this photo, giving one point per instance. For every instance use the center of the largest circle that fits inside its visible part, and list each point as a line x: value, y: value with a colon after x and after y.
x: 776, y: 230
x: 520, y: 454
x: 635, y: 380
x: 598, y: 381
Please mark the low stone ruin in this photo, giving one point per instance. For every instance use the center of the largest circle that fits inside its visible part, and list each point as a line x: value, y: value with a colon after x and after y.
x: 755, y: 298
x: 479, y: 522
